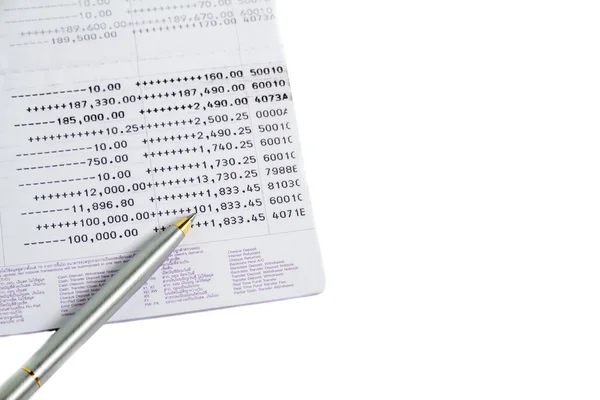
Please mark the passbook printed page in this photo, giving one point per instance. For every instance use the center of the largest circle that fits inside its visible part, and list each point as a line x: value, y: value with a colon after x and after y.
x: 119, y: 117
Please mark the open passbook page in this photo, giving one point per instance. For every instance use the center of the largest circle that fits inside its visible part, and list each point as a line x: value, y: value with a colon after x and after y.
x: 118, y: 117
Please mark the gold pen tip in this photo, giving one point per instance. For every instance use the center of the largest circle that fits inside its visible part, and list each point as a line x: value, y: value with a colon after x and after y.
x: 185, y: 224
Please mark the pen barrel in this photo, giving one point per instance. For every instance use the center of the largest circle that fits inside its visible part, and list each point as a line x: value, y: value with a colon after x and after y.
x: 95, y: 313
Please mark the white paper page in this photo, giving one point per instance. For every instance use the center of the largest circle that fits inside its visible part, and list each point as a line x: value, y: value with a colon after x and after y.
x: 118, y: 117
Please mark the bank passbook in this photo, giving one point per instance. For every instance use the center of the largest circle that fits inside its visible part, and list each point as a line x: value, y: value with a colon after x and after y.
x: 118, y: 118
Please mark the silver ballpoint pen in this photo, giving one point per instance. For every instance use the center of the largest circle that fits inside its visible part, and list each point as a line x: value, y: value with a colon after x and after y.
x: 97, y: 311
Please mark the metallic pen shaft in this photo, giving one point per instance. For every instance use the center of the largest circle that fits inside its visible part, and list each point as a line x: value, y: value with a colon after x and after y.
x: 97, y: 311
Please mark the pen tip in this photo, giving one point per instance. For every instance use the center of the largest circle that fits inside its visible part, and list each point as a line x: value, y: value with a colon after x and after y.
x: 185, y: 224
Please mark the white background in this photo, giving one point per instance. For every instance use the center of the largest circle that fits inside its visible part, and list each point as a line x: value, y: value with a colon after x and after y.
x: 452, y: 154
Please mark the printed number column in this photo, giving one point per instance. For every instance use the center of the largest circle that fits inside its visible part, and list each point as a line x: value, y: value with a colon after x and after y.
x: 279, y: 154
